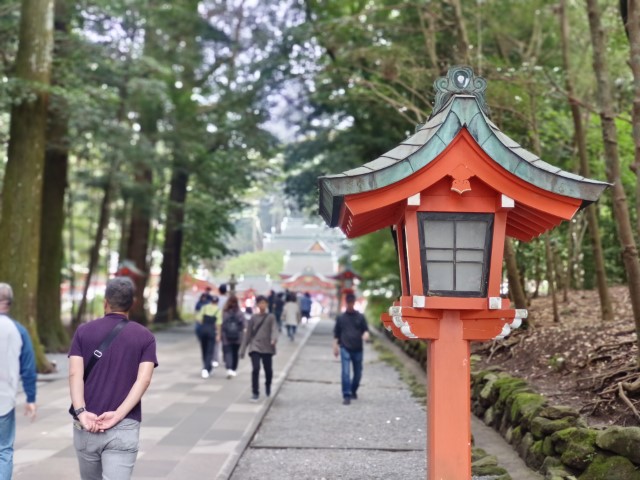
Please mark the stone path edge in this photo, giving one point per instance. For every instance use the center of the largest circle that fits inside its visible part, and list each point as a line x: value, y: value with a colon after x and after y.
x: 491, y: 441
x: 232, y: 461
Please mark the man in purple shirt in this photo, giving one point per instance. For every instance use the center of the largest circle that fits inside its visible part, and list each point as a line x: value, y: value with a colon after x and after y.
x: 108, y: 405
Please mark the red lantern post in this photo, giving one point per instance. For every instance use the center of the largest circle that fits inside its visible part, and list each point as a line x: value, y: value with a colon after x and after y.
x: 451, y: 193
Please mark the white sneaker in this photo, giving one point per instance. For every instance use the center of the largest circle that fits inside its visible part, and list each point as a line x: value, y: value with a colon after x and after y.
x: 204, y: 373
x: 233, y: 373
x: 215, y: 364
x: 229, y: 373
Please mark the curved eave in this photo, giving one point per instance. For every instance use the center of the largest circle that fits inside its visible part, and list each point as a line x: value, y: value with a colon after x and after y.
x: 431, y: 139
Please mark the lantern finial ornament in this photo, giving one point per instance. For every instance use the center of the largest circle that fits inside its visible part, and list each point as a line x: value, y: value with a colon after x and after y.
x: 460, y: 80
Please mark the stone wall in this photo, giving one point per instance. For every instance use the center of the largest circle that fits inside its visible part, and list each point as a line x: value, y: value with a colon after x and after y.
x: 554, y: 440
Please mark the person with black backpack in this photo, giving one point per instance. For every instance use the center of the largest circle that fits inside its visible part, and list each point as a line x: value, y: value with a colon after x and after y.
x: 232, y: 328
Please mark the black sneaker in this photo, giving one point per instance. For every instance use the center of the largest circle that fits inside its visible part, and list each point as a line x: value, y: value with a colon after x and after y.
x: 346, y: 401
x: 354, y: 396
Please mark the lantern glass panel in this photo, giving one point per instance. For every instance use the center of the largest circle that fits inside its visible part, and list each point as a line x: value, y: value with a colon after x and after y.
x: 471, y: 234
x: 441, y: 275
x: 440, y: 234
x: 469, y: 276
x: 469, y: 255
x: 456, y: 251
x: 434, y: 254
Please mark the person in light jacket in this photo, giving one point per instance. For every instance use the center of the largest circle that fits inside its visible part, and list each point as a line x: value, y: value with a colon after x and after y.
x: 259, y: 339
x: 291, y: 314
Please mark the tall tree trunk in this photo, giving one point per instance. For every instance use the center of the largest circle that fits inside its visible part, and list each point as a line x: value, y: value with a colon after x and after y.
x: 72, y: 249
x: 562, y: 279
x: 537, y: 147
x: 138, y: 244
x: 427, y: 17
x: 171, y: 252
x: 606, y: 310
x: 551, y: 277
x: 463, y: 37
x: 513, y: 274
x: 52, y: 333
x: 137, y: 238
x: 94, y: 255
x: 632, y: 28
x: 610, y: 138
x: 22, y: 192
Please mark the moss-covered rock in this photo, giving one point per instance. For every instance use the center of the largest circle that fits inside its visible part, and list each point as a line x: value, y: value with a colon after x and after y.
x: 558, y: 412
x: 486, y: 391
x: 484, y: 461
x: 610, y: 468
x: 576, y: 446
x: 525, y: 406
x: 477, y: 453
x: 516, y: 436
x: 535, y: 456
x: 508, y: 435
x: 552, y: 469
x: 525, y: 444
x: 547, y: 447
x: 488, y: 470
x: 624, y: 441
x: 489, y: 417
x: 506, y: 385
x: 542, y: 427
x: 564, y: 438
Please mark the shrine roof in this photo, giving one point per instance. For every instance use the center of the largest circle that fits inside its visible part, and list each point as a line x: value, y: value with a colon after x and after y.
x: 452, y: 113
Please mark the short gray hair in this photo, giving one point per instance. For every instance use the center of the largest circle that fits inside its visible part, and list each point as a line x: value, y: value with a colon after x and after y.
x: 6, y: 293
x: 120, y: 293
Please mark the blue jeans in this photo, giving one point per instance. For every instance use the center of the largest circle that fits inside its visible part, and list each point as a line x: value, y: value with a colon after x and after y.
x: 7, y: 436
x: 291, y: 331
x: 348, y: 357
x: 111, y: 454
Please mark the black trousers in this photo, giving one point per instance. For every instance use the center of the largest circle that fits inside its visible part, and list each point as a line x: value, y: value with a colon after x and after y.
x: 230, y: 352
x: 267, y: 363
x: 207, y: 343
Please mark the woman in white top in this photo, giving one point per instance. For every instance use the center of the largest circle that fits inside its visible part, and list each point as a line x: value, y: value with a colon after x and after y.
x: 291, y: 315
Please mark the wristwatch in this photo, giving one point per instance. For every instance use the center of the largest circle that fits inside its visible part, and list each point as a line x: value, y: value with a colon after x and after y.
x: 79, y: 411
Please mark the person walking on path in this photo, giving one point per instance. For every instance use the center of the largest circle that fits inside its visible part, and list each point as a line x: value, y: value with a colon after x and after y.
x: 260, y: 338
x: 350, y: 331
x: 208, y: 319
x: 305, y: 306
x: 107, y: 403
x: 291, y: 314
x: 231, y: 332
x: 222, y: 301
x: 278, y: 308
x: 17, y: 361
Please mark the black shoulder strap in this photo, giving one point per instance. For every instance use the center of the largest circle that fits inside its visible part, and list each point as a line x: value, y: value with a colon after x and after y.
x: 97, y: 354
x: 254, y: 331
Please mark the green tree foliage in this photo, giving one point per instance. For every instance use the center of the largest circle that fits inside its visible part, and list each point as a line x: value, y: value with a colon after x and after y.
x: 254, y: 263
x: 374, y: 64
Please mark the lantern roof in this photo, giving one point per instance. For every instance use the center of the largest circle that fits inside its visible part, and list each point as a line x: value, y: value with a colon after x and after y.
x: 459, y: 106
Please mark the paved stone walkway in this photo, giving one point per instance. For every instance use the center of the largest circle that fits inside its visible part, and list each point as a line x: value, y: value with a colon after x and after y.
x: 191, y: 428
x: 205, y: 429
x: 309, y: 434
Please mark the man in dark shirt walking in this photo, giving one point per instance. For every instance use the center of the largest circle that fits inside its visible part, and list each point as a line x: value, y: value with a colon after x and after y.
x: 107, y: 405
x: 349, y: 333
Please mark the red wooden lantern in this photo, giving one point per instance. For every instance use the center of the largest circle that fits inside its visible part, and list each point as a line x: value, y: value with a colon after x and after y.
x: 451, y: 193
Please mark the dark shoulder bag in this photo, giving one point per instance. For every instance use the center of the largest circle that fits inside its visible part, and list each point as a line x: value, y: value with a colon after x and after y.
x: 97, y: 354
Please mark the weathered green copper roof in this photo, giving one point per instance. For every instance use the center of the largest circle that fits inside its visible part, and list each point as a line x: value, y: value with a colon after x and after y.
x: 456, y: 108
